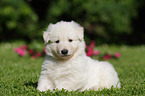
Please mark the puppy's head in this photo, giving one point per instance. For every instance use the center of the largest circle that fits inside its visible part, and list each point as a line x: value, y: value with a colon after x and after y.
x: 64, y: 39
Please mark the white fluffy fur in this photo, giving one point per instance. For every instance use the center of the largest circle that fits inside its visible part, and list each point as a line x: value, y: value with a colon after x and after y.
x: 74, y: 71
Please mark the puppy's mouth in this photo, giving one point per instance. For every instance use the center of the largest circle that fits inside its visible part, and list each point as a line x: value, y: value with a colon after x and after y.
x: 66, y: 56
x: 63, y: 54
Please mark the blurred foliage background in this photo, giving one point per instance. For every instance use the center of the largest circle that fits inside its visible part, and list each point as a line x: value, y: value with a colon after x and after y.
x: 105, y: 21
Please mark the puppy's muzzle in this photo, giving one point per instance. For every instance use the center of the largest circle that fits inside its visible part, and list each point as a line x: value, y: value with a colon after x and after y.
x: 64, y: 52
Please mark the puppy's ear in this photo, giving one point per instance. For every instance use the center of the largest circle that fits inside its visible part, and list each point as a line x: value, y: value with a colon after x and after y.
x: 46, y: 34
x: 80, y: 30
x: 81, y: 33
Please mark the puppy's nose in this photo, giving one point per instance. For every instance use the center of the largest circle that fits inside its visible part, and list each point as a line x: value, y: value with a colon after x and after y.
x: 64, y: 51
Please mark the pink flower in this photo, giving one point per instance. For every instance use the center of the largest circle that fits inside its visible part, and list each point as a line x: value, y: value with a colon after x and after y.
x: 96, y: 52
x: 20, y: 51
x: 117, y: 55
x: 92, y: 45
x: 90, y: 52
x: 90, y: 49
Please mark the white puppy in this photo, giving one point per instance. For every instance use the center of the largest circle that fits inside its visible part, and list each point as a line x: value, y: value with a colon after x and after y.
x: 66, y: 64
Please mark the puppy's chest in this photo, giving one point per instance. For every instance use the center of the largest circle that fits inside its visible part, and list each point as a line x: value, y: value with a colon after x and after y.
x: 65, y: 71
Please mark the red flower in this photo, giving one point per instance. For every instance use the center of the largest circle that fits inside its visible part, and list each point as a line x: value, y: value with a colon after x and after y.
x: 44, y: 51
x: 31, y: 51
x: 21, y: 50
x: 107, y: 56
x: 38, y: 54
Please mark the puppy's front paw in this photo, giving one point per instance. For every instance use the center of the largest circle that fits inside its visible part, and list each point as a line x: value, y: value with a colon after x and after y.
x: 44, y: 88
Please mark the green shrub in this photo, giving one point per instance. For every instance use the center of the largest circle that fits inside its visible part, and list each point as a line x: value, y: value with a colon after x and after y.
x: 17, y: 20
x: 102, y: 18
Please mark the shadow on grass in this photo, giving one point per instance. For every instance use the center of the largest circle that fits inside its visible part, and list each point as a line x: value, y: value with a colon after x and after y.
x: 31, y: 84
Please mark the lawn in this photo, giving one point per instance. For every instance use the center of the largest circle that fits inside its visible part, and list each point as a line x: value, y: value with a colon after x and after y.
x: 19, y: 75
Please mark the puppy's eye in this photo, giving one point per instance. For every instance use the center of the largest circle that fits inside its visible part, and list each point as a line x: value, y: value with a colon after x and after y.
x: 70, y: 40
x: 57, y: 41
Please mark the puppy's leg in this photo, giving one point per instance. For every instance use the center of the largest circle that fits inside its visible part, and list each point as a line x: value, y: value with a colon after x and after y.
x: 65, y: 86
x: 69, y: 85
x: 44, y: 84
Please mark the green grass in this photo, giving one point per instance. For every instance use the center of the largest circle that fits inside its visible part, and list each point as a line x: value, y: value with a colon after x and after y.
x: 19, y: 75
